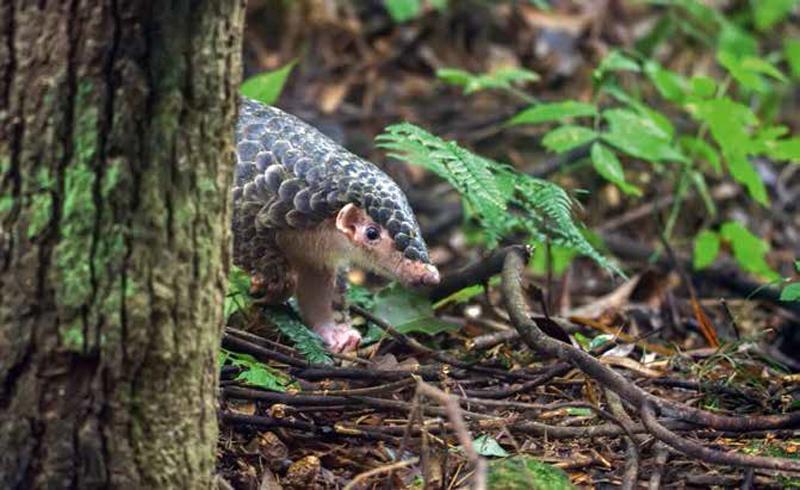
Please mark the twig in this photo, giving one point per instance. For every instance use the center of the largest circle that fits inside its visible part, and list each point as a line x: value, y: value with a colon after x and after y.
x: 477, y: 273
x: 379, y: 471
x: 538, y: 341
x: 631, y: 474
x: 450, y: 404
x: 703, y: 453
x: 662, y: 453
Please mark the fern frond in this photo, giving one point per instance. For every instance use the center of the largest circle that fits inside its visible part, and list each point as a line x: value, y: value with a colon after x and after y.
x: 470, y: 174
x: 307, y: 342
x: 490, y: 190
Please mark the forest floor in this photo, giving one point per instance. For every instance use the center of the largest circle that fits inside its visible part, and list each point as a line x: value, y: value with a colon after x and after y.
x: 669, y: 377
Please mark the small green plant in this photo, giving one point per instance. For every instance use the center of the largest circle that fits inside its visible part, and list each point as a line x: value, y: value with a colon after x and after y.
x: 791, y: 291
x: 502, y: 200
x: 687, y: 127
x: 266, y: 87
x: 254, y: 372
x: 748, y: 250
x: 405, y: 10
x: 304, y: 340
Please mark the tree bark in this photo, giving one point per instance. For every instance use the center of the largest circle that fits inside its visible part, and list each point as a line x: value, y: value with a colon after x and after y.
x: 116, y: 151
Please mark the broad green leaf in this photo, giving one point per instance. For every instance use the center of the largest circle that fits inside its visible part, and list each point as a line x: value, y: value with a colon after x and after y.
x: 238, y: 295
x: 785, y: 149
x: 556, y: 111
x: 579, y: 412
x: 749, y: 250
x: 730, y: 123
x: 669, y: 84
x: 565, y: 138
x: 607, y: 164
x: 703, y: 86
x: 749, y: 79
x: 616, y: 61
x: 487, y: 445
x: 791, y: 51
x: 697, y: 148
x: 760, y: 65
x: 767, y: 13
x: 460, y: 296
x: 791, y: 292
x: 266, y: 87
x: 639, y: 136
x: 561, y: 258
x: 403, y: 10
x: 734, y: 39
x: 409, y: 312
x: 523, y: 472
x: 256, y: 373
x: 706, y: 249
x: 502, y: 78
x: 454, y: 76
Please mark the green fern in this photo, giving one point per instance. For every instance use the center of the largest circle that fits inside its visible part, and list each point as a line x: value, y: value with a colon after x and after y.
x: 307, y: 342
x: 490, y: 190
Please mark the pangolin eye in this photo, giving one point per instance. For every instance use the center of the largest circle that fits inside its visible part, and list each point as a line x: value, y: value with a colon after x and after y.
x: 373, y: 233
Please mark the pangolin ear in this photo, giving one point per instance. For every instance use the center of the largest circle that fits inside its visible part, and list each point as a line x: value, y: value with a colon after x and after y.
x: 350, y: 219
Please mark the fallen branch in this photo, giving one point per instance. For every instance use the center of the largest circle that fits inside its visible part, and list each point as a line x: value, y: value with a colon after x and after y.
x: 610, y: 379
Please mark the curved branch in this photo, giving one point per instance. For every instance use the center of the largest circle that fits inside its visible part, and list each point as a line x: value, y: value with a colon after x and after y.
x: 537, y: 340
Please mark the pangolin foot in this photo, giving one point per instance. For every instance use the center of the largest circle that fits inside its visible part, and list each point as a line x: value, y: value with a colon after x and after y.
x: 339, y: 337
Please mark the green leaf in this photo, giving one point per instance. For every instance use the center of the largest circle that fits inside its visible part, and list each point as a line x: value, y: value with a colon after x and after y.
x: 522, y: 472
x: 607, y: 164
x: 747, y: 70
x: 409, y: 312
x: 403, y: 10
x: 460, y: 296
x: 697, y: 148
x: 768, y: 13
x: 669, y: 84
x: 703, y: 86
x: 749, y: 250
x: 304, y: 340
x: 487, y: 445
x: 706, y: 249
x: 489, y: 189
x: 791, y: 51
x: 730, y: 123
x: 256, y: 373
x: 791, y: 292
x: 501, y: 79
x: 556, y: 111
x: 238, y: 295
x: 561, y: 258
x: 266, y: 87
x: 454, y: 76
x: 639, y: 136
x: 616, y: 61
x: 579, y: 412
x: 565, y: 138
x: 785, y: 149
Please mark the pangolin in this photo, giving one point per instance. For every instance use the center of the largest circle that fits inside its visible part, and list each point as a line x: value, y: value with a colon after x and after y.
x: 304, y: 208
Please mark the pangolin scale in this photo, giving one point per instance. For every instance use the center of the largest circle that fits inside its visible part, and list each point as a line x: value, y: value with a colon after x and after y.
x: 291, y: 176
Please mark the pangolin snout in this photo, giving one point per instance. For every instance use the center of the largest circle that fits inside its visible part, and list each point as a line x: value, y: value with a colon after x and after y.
x: 421, y: 275
x: 431, y: 276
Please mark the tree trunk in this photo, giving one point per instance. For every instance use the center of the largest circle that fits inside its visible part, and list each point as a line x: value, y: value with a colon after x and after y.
x: 116, y: 128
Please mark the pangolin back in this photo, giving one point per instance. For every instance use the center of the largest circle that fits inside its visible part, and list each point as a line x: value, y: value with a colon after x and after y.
x: 291, y: 176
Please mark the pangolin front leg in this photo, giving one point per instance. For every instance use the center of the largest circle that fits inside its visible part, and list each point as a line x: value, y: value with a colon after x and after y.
x: 322, y: 308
